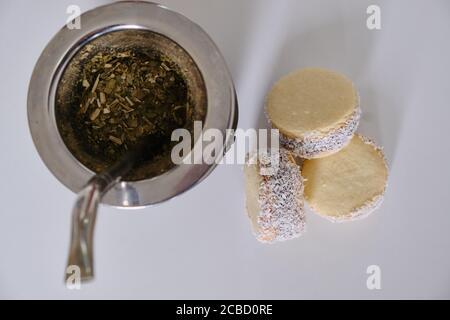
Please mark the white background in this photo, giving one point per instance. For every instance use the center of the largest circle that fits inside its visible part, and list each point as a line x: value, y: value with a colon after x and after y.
x: 199, y: 245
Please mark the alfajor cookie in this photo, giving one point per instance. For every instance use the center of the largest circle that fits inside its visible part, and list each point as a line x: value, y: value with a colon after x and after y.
x: 349, y: 184
x: 316, y: 111
x: 274, y: 196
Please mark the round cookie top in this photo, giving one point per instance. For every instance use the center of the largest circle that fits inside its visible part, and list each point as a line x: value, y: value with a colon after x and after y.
x: 347, y: 183
x: 311, y: 99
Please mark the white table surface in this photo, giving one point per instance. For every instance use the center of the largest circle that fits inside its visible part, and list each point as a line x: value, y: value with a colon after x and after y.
x: 199, y: 245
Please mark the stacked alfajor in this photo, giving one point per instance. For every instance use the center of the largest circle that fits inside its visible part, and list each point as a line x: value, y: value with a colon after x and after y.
x: 341, y: 175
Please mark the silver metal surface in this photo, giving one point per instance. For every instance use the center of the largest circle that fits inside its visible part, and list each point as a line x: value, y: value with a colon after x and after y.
x: 84, y: 212
x: 221, y: 110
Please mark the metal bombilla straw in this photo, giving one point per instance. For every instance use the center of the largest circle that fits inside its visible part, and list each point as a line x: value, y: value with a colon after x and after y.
x: 84, y: 212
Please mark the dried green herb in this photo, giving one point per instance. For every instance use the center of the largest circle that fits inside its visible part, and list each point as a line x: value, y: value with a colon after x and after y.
x: 124, y: 86
x: 126, y: 95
